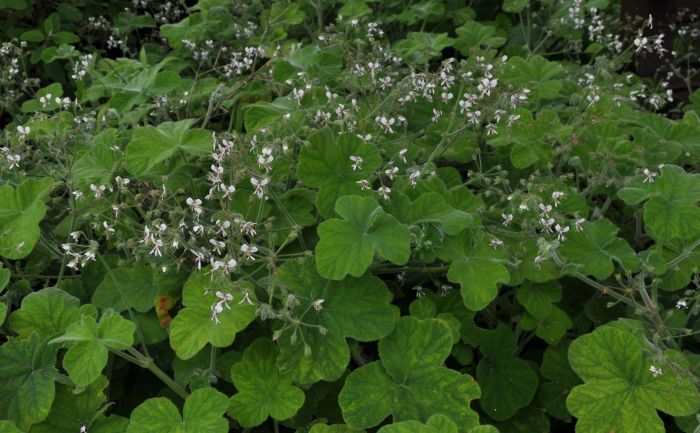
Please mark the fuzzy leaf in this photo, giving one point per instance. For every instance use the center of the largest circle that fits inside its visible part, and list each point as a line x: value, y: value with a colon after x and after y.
x: 429, y: 208
x: 48, y: 312
x: 476, y: 266
x: 325, y: 164
x: 348, y: 245
x: 139, y: 284
x: 89, y: 342
x: 596, y: 249
x: 436, y: 424
x: 150, y: 147
x: 671, y: 210
x: 27, y: 380
x: 358, y: 308
x: 203, y: 413
x: 262, y: 391
x: 193, y: 327
x: 21, y: 212
x: 620, y: 394
x: 410, y: 381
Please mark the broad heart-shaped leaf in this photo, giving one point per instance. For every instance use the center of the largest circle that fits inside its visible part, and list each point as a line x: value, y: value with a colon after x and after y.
x: 560, y: 380
x: 8, y: 426
x: 620, y: 393
x: 596, y: 249
x: 476, y: 266
x: 48, y: 312
x: 140, y: 285
x: 325, y: 164
x: 538, y: 299
x: 262, y: 391
x: 671, y: 210
x: 150, y: 146
x: 508, y: 383
x: 358, y: 308
x: 193, y: 326
x: 551, y: 327
x: 203, y: 413
x: 348, y: 245
x: 89, y: 342
x: 436, y: 424
x: 20, y: 214
x: 27, y: 380
x: 410, y: 381
x: 336, y: 428
x: 76, y: 407
x: 475, y: 36
x: 429, y: 208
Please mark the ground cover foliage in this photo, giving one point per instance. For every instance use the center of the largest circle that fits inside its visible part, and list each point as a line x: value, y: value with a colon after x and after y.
x: 319, y: 216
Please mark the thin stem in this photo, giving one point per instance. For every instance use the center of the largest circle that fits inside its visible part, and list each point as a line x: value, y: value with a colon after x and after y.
x: 149, y: 363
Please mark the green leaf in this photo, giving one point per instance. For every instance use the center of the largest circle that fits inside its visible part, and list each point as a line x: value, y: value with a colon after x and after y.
x: 27, y: 380
x: 8, y: 426
x: 150, y: 147
x: 515, y: 6
x: 203, y: 413
x: 596, y: 249
x: 560, y: 379
x: 429, y: 208
x: 536, y: 73
x: 22, y: 210
x: 89, y: 342
x: 76, y: 407
x: 263, y: 114
x: 262, y: 390
x: 193, y: 327
x: 3, y: 312
x: 32, y: 36
x: 48, y: 312
x: 358, y: 308
x: 348, y: 245
x: 550, y: 327
x: 436, y: 424
x: 420, y: 47
x: 325, y: 164
x: 139, y: 284
x: 474, y: 35
x: 476, y: 266
x: 336, y: 428
x: 410, y: 381
x: 620, y: 393
x: 538, y: 298
x: 671, y: 210
x: 508, y: 383
x: 4, y: 278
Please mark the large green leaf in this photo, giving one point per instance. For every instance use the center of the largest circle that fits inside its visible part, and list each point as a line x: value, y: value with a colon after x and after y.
x: 435, y: 424
x: 325, y: 164
x: 48, y: 312
x: 20, y: 214
x: 671, y: 210
x: 27, y: 380
x: 410, y: 381
x: 476, y: 266
x: 74, y: 408
x: 596, y: 248
x: 620, y: 392
x: 135, y: 287
x: 508, y: 383
x: 150, y: 147
x: 203, y: 413
x: 89, y: 342
x: 193, y: 327
x: 358, y: 308
x: 560, y: 380
x: 429, y: 209
x: 262, y: 390
x: 348, y: 245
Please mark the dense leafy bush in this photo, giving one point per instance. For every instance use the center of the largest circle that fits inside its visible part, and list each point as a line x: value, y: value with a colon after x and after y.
x: 327, y: 216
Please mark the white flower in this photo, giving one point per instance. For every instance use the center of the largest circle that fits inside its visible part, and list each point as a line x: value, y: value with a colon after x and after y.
x: 507, y: 219
x: 249, y: 250
x: 682, y: 304
x: 318, y: 304
x: 13, y: 160
x: 577, y: 224
x: 364, y: 184
x: 157, y: 245
x: 545, y: 210
x: 384, y: 192
x: 648, y: 176
x: 259, y: 185
x: 218, y: 245
x: 357, y: 162
x: 495, y: 243
x: 413, y: 178
x: 195, y: 205
x: 656, y: 372
x: 556, y: 195
x: 391, y: 172
x: 561, y: 232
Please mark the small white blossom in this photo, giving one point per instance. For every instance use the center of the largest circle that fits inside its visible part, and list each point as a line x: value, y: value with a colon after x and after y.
x: 656, y: 372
